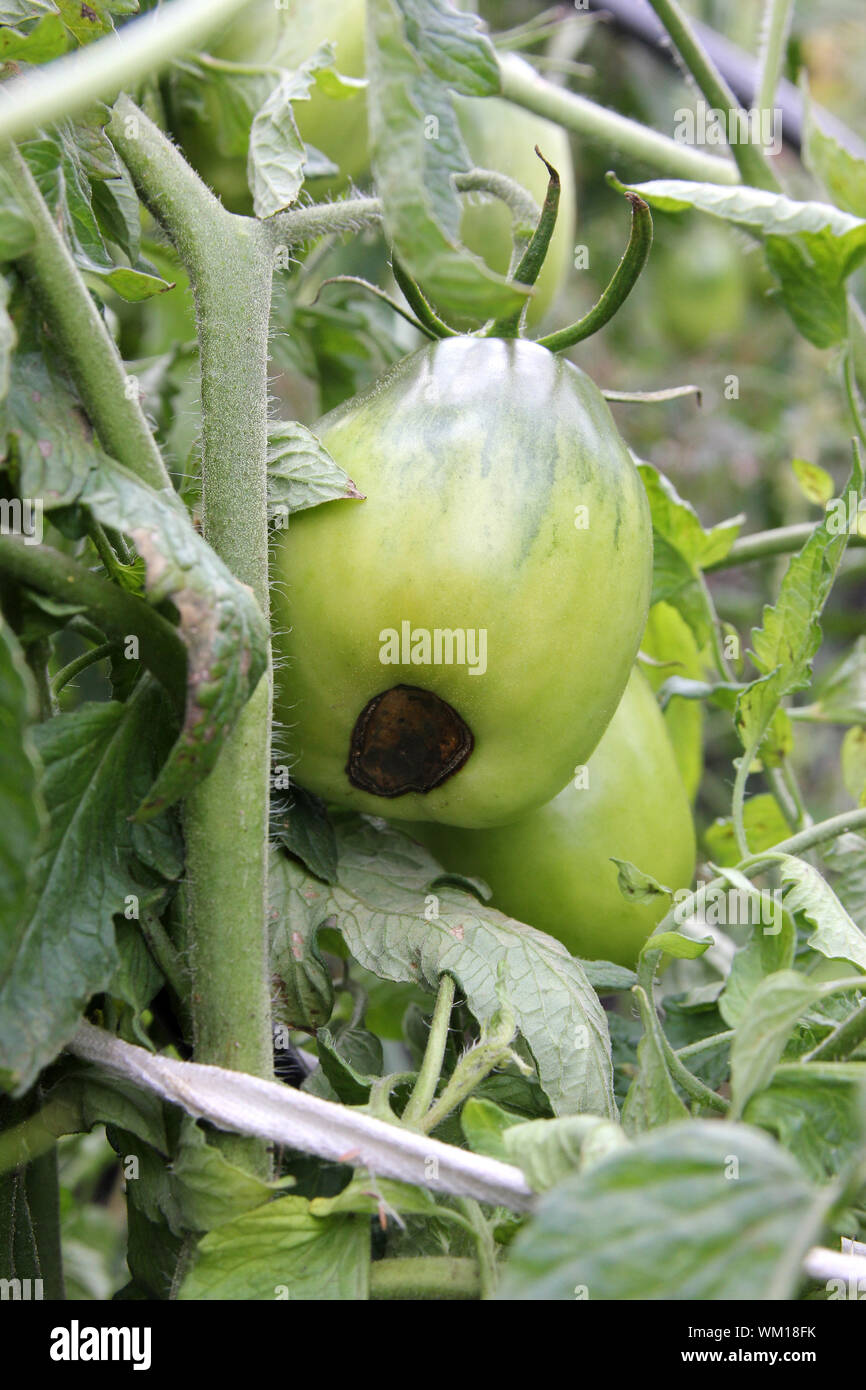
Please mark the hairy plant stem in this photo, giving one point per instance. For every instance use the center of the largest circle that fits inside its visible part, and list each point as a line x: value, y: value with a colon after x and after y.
x: 764, y: 544
x: 750, y: 159
x: 118, y: 612
x: 81, y: 663
x: 88, y: 348
x: 70, y: 84
x: 226, y: 817
x: 522, y: 85
x: 425, y: 1277
x: 428, y: 1077
x: 484, y: 1244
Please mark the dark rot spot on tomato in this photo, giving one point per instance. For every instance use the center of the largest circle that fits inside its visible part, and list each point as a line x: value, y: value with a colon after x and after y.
x: 407, y: 740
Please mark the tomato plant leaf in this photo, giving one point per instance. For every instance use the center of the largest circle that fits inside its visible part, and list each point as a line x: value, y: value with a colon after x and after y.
x: 549, y: 1150
x: 682, y: 548
x: 277, y: 154
x: 811, y: 247
x: 62, y: 162
x: 652, y: 1098
x: 282, y: 1246
x: 220, y: 622
x: 813, y: 1110
x: 26, y: 42
x: 21, y: 806
x: 784, y: 648
x: 765, y: 827
x: 699, y: 1210
x: 418, y: 52
x: 842, y: 172
x: 775, y: 1007
x: 379, y: 906
x: 301, y: 472
x: 835, y: 934
x: 98, y: 763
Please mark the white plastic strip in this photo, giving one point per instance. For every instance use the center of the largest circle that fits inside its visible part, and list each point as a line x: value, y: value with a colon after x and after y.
x: 246, y: 1105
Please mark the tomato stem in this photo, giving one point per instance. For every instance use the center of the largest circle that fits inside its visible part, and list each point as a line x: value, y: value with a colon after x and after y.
x: 431, y: 324
x: 532, y: 260
x: 622, y: 283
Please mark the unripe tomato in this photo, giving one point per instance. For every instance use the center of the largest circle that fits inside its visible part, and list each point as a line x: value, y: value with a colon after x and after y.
x: 669, y: 639
x: 503, y: 512
x: 552, y: 869
x: 698, y: 286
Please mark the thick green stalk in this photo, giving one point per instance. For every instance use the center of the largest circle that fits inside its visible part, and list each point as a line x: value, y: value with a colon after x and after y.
x: 428, y: 1077
x: 763, y: 544
x: 522, y: 85
x: 750, y: 158
x: 226, y: 817
x: 87, y: 346
x: 425, y: 1277
x: 69, y: 85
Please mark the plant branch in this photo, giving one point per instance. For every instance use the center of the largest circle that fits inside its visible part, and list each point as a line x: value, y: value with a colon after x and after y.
x: 81, y: 663
x: 750, y: 159
x: 425, y: 1277
x: 623, y: 281
x: 226, y: 816
x: 431, y: 1067
x: 522, y: 85
x: 118, y: 612
x: 764, y: 544
x: 70, y: 84
x: 88, y: 349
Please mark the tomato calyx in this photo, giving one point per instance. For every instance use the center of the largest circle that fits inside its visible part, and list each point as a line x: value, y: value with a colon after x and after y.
x: 407, y: 739
x: 625, y: 277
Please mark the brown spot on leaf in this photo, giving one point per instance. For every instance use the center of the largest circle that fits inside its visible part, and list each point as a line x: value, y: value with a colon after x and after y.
x: 407, y: 740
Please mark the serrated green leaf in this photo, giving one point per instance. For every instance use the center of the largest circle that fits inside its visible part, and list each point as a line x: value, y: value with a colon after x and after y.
x: 418, y: 52
x: 652, y: 1098
x: 378, y: 905
x: 699, y: 1211
x: 22, y: 812
x: 97, y: 762
x: 775, y: 1007
x: 785, y: 646
x: 549, y: 1150
x: 836, y: 935
x: 811, y: 247
x: 301, y: 472
x: 281, y: 1251
x: 813, y: 1112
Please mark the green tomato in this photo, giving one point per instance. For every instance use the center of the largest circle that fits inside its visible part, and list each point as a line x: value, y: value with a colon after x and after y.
x: 669, y: 639
x: 698, y: 286
x: 457, y: 642
x: 553, y: 870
